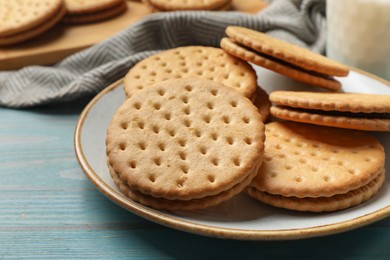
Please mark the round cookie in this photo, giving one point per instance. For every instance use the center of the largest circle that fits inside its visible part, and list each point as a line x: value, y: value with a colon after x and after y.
x: 303, y: 160
x: 236, y: 50
x: 186, y: 139
x: 88, y: 6
x: 287, y: 52
x: 321, y: 204
x: 20, y: 16
x: 339, y: 121
x: 192, y: 62
x: 26, y: 19
x: 344, y: 110
x: 343, y: 102
x: 176, y: 5
x: 165, y: 204
x: 83, y: 11
x: 225, y: 7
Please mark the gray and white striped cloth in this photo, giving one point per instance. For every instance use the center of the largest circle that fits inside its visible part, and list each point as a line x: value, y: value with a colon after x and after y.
x: 87, y: 72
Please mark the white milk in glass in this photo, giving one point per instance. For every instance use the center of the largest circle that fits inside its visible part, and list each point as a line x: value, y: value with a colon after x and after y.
x: 359, y: 34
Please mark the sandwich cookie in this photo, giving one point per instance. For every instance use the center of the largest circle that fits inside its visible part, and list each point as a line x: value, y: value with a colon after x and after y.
x: 345, y: 110
x: 185, y: 144
x: 290, y: 60
x: 25, y: 19
x: 316, y: 168
x: 186, y: 5
x: 85, y: 11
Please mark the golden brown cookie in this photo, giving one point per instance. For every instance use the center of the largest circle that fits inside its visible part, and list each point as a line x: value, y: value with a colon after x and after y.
x: 303, y: 160
x: 285, y: 58
x: 249, y: 6
x: 19, y: 16
x: 262, y: 102
x: 26, y: 19
x: 167, y: 204
x: 88, y: 6
x: 345, y: 110
x: 281, y: 50
x: 321, y: 204
x: 192, y: 62
x: 84, y: 11
x: 186, y: 139
x: 307, y: 161
x: 293, y: 72
x: 177, y: 5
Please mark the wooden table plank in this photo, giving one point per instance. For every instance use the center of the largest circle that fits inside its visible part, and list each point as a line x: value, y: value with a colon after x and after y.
x: 49, y: 209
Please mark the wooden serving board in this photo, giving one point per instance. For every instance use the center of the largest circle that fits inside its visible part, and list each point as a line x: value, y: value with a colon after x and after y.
x: 64, y: 40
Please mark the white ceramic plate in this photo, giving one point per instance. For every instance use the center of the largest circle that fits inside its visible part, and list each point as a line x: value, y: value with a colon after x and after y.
x: 240, y: 217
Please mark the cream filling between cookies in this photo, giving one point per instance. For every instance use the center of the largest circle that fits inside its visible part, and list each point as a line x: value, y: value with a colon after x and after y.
x: 339, y: 113
x: 282, y: 62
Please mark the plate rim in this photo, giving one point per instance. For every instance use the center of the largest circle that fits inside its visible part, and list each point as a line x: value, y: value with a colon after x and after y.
x: 207, y: 230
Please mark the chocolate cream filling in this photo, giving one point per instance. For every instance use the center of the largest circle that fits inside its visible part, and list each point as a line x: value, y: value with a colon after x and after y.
x: 338, y: 113
x: 282, y: 62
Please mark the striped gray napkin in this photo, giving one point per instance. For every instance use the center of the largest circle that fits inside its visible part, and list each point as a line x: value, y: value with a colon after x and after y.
x: 87, y: 72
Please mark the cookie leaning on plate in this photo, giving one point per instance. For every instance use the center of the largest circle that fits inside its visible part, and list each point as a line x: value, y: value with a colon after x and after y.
x: 243, y: 53
x: 282, y: 57
x: 85, y: 11
x: 316, y: 168
x: 26, y: 19
x: 192, y: 62
x: 185, y: 144
x: 345, y: 110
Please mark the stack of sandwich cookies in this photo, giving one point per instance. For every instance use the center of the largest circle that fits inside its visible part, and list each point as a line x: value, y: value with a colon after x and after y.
x: 185, y: 144
x: 284, y: 58
x: 85, y: 11
x: 345, y: 110
x: 198, y: 62
x: 186, y: 5
x: 315, y: 168
x: 25, y: 19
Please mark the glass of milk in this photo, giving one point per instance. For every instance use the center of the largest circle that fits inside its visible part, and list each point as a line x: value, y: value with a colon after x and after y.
x: 359, y: 34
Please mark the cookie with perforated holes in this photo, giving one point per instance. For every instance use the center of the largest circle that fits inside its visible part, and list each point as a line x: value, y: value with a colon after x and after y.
x: 317, y: 168
x: 185, y: 144
x: 192, y: 62
x: 25, y: 19
x: 282, y: 57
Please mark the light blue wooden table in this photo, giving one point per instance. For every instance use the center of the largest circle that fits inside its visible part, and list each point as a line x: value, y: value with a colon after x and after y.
x: 49, y: 209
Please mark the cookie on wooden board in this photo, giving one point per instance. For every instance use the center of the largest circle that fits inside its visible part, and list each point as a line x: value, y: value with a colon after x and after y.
x: 185, y: 5
x: 86, y: 11
x: 25, y: 19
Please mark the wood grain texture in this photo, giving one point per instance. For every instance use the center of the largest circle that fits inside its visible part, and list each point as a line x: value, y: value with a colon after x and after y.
x: 64, y: 40
x: 49, y: 209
